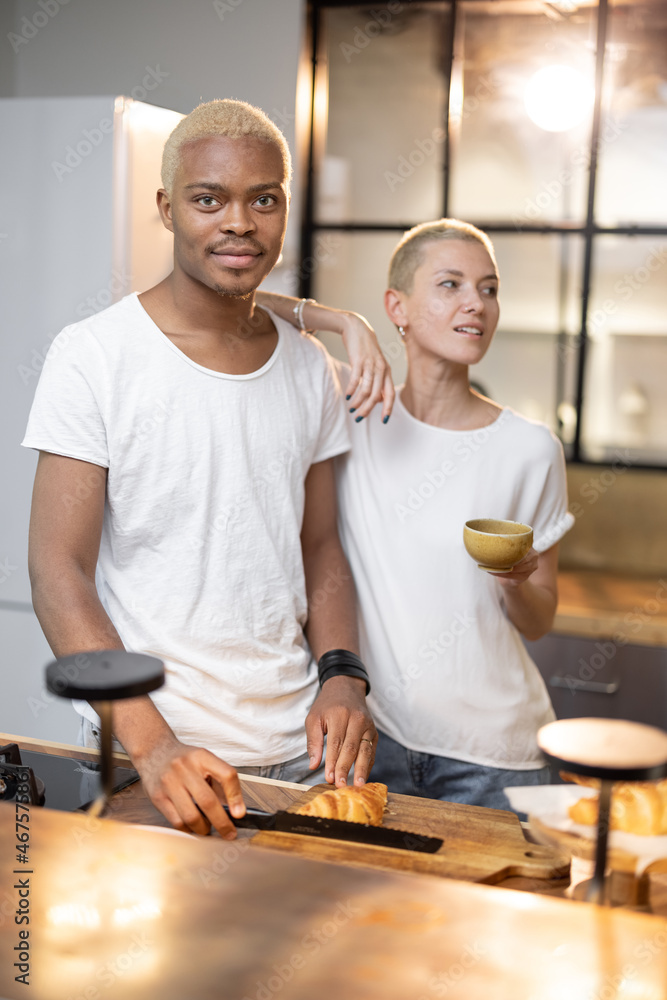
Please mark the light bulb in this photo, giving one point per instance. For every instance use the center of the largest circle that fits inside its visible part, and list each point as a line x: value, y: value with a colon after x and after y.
x: 557, y: 98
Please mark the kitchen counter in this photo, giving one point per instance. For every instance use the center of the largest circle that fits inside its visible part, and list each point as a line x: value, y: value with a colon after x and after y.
x: 606, y: 605
x: 468, y: 830
x: 121, y: 912
x: 482, y: 845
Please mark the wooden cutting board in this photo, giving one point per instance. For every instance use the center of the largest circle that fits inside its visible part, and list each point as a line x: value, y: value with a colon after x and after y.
x: 479, y: 845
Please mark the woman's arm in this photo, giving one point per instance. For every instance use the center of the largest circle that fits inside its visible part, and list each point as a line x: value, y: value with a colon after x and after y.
x: 531, y: 603
x: 370, y: 379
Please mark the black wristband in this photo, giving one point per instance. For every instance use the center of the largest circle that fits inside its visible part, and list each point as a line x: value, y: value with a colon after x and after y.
x: 342, y: 662
x: 345, y: 671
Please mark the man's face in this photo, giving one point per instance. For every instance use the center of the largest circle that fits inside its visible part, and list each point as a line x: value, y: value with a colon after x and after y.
x: 228, y: 212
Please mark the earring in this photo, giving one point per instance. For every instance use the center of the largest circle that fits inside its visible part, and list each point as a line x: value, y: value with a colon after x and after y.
x: 401, y: 331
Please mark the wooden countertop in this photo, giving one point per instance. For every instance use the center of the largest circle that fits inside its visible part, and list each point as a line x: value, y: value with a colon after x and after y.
x: 120, y: 912
x: 133, y: 807
x: 594, y: 605
x: 481, y: 845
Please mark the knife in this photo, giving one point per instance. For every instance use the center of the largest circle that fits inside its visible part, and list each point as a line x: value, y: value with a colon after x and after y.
x: 336, y: 829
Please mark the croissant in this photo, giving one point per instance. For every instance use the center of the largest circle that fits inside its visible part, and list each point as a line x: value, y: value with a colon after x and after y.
x: 356, y: 805
x: 636, y: 807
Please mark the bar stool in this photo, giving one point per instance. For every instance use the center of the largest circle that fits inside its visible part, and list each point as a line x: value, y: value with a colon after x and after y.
x: 611, y: 750
x: 101, y: 678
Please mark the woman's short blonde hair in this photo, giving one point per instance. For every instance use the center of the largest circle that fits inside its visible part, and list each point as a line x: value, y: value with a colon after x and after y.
x: 408, y: 254
x: 234, y: 119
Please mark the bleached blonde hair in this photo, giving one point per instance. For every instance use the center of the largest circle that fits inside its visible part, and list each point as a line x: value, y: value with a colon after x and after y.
x: 234, y: 119
x: 408, y: 255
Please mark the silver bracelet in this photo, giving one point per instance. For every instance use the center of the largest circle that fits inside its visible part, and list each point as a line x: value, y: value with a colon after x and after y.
x: 298, y: 312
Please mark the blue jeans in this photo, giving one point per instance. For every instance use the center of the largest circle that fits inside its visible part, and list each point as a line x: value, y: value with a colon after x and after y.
x: 291, y: 770
x: 410, y: 772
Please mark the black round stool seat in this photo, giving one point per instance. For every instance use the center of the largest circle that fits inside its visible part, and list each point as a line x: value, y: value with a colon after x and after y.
x: 610, y: 749
x: 104, y: 675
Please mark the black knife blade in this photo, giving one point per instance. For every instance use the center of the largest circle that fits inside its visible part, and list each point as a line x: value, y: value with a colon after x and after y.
x: 337, y: 829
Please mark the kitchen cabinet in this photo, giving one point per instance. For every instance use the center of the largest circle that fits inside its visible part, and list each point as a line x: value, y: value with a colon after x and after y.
x: 600, y: 677
x: 607, y: 653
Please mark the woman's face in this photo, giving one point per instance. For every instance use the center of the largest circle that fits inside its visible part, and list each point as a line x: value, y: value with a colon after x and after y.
x: 452, y: 311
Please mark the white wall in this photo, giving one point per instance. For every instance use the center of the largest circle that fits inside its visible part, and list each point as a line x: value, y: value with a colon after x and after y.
x: 97, y: 47
x: 186, y: 51
x: 7, y: 55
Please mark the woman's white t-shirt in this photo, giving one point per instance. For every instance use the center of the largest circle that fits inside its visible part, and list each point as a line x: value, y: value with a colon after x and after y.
x: 200, y: 559
x: 449, y: 672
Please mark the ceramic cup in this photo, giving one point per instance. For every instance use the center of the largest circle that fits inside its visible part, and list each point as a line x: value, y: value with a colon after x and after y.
x: 497, y: 546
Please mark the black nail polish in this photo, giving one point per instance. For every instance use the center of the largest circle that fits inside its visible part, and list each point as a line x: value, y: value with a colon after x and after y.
x: 357, y: 419
x: 353, y: 410
x: 348, y: 397
x: 385, y: 419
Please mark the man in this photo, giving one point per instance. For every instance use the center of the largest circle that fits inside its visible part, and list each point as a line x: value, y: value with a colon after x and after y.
x: 184, y: 501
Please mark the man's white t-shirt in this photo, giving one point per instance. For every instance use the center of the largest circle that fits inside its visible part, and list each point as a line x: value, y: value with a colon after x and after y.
x: 200, y: 559
x: 449, y: 673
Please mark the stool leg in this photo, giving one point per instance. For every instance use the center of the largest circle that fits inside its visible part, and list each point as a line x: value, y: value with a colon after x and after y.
x: 105, y: 711
x: 596, y: 889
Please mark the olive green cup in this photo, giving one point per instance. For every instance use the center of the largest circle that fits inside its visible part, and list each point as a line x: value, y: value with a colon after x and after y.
x: 497, y: 546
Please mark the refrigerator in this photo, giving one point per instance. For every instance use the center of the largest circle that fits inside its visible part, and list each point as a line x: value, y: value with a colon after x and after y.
x: 79, y: 229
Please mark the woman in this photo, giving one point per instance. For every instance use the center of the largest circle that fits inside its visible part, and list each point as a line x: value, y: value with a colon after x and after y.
x: 455, y: 695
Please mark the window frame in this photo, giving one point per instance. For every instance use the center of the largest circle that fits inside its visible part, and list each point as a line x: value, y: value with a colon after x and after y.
x: 589, y: 230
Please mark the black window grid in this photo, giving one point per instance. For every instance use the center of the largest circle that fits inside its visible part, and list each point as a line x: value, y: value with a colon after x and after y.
x: 589, y: 230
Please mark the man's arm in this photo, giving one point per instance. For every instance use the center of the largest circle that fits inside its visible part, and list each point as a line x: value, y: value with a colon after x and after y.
x: 340, y: 709
x: 370, y: 377
x: 531, y: 592
x: 65, y: 530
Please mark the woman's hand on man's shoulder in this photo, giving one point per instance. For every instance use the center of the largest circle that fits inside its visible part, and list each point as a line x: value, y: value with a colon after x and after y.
x: 370, y: 380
